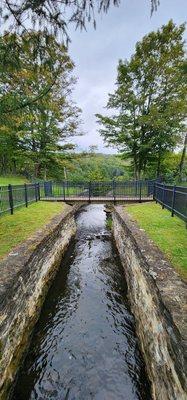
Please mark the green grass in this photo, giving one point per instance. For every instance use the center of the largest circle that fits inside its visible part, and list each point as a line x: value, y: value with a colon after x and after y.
x: 109, y: 222
x: 14, y: 229
x: 181, y: 184
x: 12, y: 179
x: 170, y: 234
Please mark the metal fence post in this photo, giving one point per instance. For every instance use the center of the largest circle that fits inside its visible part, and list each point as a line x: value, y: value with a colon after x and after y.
x: 26, y: 196
x: 136, y: 188
x: 114, y: 191
x: 140, y: 200
x: 173, y: 201
x: 38, y: 185
x: 154, y: 190
x: 10, y: 195
x: 156, y: 193
x: 67, y: 187
x: 89, y: 191
x: 35, y: 188
x: 163, y: 195
x: 64, y: 190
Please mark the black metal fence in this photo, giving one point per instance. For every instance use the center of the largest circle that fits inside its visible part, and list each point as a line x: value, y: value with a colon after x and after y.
x: 112, y: 190
x: 174, y: 198
x: 14, y: 196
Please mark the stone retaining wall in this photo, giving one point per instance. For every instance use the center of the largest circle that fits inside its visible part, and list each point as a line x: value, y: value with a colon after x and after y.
x: 25, y: 276
x: 158, y: 300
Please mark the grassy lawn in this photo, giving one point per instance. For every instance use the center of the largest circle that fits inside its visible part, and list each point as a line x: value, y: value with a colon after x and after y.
x: 12, y: 179
x: 14, y: 229
x: 181, y: 184
x: 170, y: 234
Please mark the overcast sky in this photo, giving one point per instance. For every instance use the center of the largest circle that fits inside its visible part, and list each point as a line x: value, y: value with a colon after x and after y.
x: 96, y: 54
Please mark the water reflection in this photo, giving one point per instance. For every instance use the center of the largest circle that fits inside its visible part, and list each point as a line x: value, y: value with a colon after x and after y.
x: 84, y: 346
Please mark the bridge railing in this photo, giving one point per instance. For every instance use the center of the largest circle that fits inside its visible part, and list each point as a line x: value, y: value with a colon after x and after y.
x: 174, y: 198
x: 115, y: 190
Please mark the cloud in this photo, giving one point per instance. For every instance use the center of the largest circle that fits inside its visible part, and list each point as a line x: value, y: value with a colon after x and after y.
x: 96, y: 54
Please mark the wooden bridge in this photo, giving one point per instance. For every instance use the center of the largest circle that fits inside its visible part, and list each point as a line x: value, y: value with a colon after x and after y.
x: 99, y: 192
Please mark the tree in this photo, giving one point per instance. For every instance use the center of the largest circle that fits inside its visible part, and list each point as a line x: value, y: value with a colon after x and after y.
x: 17, y: 70
x: 183, y: 158
x: 150, y: 100
x: 55, y: 14
x: 93, y: 148
x: 183, y: 154
x: 42, y: 127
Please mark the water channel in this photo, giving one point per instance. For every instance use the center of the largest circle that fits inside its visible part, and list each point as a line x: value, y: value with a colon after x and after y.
x: 84, y: 345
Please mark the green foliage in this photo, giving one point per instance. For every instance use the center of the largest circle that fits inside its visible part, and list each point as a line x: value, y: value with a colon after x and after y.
x: 109, y: 222
x: 37, y: 113
x: 96, y: 167
x: 55, y: 15
x: 150, y: 100
x: 16, y: 228
x: 168, y: 233
x: 169, y: 169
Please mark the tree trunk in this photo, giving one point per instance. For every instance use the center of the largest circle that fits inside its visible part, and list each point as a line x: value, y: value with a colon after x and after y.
x: 37, y: 169
x: 158, y: 163
x: 181, y: 165
x: 135, y: 168
x: 45, y: 173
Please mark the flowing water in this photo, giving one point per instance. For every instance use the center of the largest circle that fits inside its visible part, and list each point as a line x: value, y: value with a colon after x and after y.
x: 84, y: 345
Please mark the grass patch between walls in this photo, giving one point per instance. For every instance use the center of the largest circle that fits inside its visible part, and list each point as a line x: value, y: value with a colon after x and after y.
x: 169, y: 234
x: 16, y: 228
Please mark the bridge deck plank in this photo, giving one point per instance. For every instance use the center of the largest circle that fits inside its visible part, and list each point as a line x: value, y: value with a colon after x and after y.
x: 98, y: 199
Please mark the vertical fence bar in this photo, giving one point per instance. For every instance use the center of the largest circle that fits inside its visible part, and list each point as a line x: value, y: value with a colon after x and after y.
x: 136, y: 188
x: 114, y: 191
x: 163, y: 195
x: 140, y: 199
x: 156, y: 193
x: 35, y: 189
x: 38, y: 187
x: 26, y: 195
x: 64, y: 191
x: 51, y: 185
x: 173, y: 201
x: 154, y: 190
x: 10, y: 195
x: 89, y: 191
x: 45, y: 189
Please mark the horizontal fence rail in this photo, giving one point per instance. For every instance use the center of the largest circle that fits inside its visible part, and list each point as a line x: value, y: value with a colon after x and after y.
x: 172, y: 197
x: 14, y: 196
x: 111, y: 190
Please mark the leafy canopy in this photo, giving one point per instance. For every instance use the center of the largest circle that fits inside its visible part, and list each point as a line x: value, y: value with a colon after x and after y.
x: 149, y: 103
x: 37, y: 114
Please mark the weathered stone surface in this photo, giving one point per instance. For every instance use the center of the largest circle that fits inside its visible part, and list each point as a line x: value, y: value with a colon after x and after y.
x: 158, y: 300
x: 25, y: 276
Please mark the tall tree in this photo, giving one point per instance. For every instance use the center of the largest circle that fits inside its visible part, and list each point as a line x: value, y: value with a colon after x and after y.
x: 150, y: 100
x: 21, y: 56
x: 43, y: 125
x: 183, y: 159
